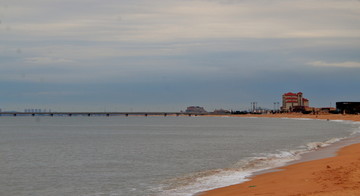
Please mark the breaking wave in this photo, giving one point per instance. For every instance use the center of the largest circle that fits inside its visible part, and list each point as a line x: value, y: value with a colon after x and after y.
x: 194, y: 183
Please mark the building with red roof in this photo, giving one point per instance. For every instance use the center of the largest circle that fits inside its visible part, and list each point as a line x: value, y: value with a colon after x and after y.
x: 291, y: 101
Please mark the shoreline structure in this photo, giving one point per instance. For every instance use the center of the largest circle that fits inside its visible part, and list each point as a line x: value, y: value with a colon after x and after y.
x: 338, y: 175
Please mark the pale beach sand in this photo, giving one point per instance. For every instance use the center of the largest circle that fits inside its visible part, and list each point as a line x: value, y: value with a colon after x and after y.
x: 338, y: 175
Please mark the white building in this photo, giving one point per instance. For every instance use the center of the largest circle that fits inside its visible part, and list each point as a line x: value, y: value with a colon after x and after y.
x: 290, y: 101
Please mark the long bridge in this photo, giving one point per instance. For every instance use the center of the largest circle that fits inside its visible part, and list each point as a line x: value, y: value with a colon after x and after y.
x: 100, y: 114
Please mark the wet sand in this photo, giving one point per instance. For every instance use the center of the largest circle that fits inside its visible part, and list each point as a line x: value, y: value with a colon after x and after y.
x: 338, y: 175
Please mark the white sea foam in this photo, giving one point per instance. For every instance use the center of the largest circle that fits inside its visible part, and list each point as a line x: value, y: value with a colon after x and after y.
x: 316, y: 145
x: 355, y: 130
x: 241, y: 171
x: 198, y: 182
x: 208, y: 180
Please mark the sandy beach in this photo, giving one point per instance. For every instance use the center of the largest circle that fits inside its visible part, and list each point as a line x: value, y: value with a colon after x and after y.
x: 338, y: 175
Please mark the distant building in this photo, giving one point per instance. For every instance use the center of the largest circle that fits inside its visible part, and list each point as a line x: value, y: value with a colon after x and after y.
x: 294, y: 102
x: 348, y: 107
x: 221, y: 111
x: 195, y: 109
x: 327, y: 110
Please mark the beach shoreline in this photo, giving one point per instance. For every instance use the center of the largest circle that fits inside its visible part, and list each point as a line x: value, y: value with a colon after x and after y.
x: 308, y: 176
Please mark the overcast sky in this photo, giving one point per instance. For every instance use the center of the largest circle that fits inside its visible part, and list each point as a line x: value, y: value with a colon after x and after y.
x: 165, y: 55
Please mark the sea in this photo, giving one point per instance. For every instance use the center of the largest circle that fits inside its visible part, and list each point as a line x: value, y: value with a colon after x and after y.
x: 150, y: 156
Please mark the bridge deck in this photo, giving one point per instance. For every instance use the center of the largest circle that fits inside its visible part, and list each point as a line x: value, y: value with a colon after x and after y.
x: 99, y: 114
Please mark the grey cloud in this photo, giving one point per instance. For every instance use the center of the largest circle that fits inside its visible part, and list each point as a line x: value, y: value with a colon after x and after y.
x: 131, y: 49
x: 173, y: 20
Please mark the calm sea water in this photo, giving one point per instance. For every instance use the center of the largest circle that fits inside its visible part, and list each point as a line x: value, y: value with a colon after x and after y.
x: 139, y: 156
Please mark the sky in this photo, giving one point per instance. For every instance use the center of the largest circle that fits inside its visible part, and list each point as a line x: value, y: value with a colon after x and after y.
x: 165, y: 55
